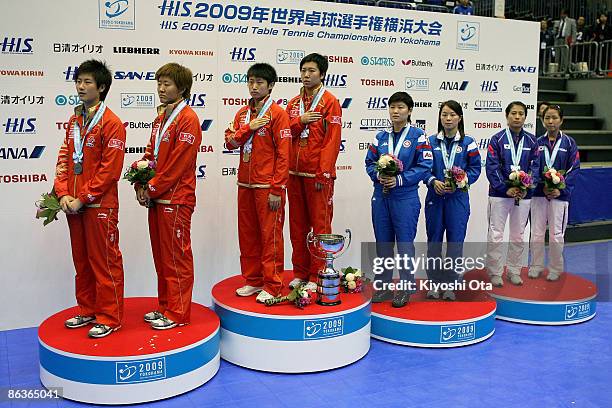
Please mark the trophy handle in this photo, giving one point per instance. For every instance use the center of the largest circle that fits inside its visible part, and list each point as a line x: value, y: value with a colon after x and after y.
x: 310, y: 240
x: 348, y: 244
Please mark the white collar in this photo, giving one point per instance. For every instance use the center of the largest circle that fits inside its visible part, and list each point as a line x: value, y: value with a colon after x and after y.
x: 457, y: 137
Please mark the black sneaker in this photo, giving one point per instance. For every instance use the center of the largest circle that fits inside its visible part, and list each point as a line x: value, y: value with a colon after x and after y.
x: 382, y: 296
x: 149, y: 317
x: 79, y: 321
x: 401, y: 298
x: 101, y: 330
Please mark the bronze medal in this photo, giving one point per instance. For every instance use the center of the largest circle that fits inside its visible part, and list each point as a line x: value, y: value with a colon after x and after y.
x: 303, y: 141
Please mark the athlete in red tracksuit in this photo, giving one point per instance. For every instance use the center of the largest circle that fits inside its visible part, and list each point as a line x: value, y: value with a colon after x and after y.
x: 261, y: 130
x: 89, y: 165
x: 315, y: 146
x: 172, y: 192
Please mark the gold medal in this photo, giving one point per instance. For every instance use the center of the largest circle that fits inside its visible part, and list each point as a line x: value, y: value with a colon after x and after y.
x: 303, y: 141
x: 246, y: 157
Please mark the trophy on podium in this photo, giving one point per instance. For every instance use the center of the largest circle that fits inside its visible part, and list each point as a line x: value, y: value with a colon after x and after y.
x: 328, y: 247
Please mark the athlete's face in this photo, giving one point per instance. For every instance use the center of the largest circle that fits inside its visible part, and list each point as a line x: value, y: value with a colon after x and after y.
x: 516, y: 117
x: 552, y: 120
x: 88, y: 90
x: 167, y: 90
x: 450, y: 119
x: 310, y: 74
x: 399, y: 113
x: 259, y: 88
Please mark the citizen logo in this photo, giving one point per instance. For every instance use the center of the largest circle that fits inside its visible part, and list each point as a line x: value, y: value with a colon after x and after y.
x: 136, y: 50
x: 374, y: 124
x: 487, y: 106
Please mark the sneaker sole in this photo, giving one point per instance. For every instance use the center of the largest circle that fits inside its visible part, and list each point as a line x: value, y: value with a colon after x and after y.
x: 80, y: 325
x: 150, y: 320
x: 99, y: 336
x: 249, y: 293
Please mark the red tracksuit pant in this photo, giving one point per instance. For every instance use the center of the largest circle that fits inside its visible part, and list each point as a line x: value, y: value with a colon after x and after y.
x: 260, y: 235
x: 308, y: 209
x: 170, y: 232
x: 98, y: 263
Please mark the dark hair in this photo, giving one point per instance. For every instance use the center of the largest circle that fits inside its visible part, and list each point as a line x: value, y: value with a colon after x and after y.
x: 553, y: 107
x: 100, y: 73
x: 540, y: 104
x: 263, y: 71
x: 515, y: 103
x: 318, y: 59
x: 455, y: 107
x: 401, y: 97
x: 564, y: 11
x: 180, y: 75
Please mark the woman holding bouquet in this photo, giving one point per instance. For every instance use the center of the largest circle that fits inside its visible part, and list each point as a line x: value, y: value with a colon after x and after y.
x: 559, y: 164
x: 511, y: 154
x: 395, y: 202
x: 456, y: 166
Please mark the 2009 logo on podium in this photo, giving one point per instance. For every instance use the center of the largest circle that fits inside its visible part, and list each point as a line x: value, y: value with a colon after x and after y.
x: 140, y: 370
x: 321, y: 328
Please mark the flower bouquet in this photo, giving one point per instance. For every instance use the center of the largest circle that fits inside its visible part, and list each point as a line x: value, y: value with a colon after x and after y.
x: 389, y: 165
x: 351, y: 280
x: 456, y: 178
x: 553, y: 179
x: 48, y: 207
x: 300, y: 296
x: 521, y: 180
x: 141, y: 171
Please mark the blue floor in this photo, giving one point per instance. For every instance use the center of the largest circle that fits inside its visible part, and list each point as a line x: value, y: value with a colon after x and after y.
x: 520, y: 366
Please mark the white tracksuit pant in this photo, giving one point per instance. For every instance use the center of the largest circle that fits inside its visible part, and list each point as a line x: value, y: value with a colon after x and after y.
x: 500, y: 208
x: 554, y: 214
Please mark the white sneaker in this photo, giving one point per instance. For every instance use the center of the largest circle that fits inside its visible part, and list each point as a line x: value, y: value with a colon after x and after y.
x: 448, y: 295
x: 311, y: 286
x: 101, y: 330
x: 248, y: 290
x: 515, y: 279
x: 163, y: 323
x: 433, y: 294
x: 497, y: 281
x: 552, y: 276
x: 149, y: 317
x: 263, y: 296
x: 295, y: 282
x: 79, y: 321
x: 534, y: 273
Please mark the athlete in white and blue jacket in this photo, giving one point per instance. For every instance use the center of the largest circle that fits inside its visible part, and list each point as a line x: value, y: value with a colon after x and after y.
x: 511, y: 149
x: 550, y: 207
x: 448, y: 211
x: 395, y: 214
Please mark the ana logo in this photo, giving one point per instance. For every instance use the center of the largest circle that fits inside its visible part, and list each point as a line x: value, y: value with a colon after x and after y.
x: 137, y: 100
x: 140, y: 370
x: 228, y: 78
x: 335, y: 80
x: 20, y: 126
x: 577, y: 311
x: 377, y: 103
x: 487, y: 106
x: 71, y: 100
x: 197, y: 100
x: 289, y: 56
x: 378, y: 61
x: 468, y: 35
x: 457, y: 333
x: 17, y: 45
x: 242, y: 54
x: 322, y: 328
x: 346, y: 103
x: 489, y: 86
x: 117, y: 14
x: 455, y: 64
x: 135, y: 75
x: 17, y: 153
x: 523, y: 68
x: 453, y: 86
x: 339, y: 59
x: 206, y: 124
x: 417, y: 84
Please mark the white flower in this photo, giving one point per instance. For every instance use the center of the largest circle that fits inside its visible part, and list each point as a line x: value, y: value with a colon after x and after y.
x: 461, y: 184
x: 304, y: 294
x: 357, y: 273
x: 142, y: 164
x: 352, y: 285
x: 349, y: 277
x: 555, y: 179
x: 552, y: 171
x: 384, y: 161
x: 513, y: 175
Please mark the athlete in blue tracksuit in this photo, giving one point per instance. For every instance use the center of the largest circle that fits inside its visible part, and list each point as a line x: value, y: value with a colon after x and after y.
x: 512, y: 148
x: 445, y: 210
x: 550, y: 207
x: 395, y: 214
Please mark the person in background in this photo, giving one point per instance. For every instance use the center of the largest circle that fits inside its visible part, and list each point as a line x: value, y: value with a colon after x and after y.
x: 540, y: 127
x: 549, y: 207
x: 446, y: 210
x: 547, y: 39
x: 464, y: 7
x: 565, y: 34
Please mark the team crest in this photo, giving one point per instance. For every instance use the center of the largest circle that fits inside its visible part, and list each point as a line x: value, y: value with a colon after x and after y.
x: 91, y: 141
x: 407, y: 144
x: 459, y: 149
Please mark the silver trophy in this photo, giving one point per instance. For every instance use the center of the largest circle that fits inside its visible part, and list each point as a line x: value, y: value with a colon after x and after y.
x: 328, y: 247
